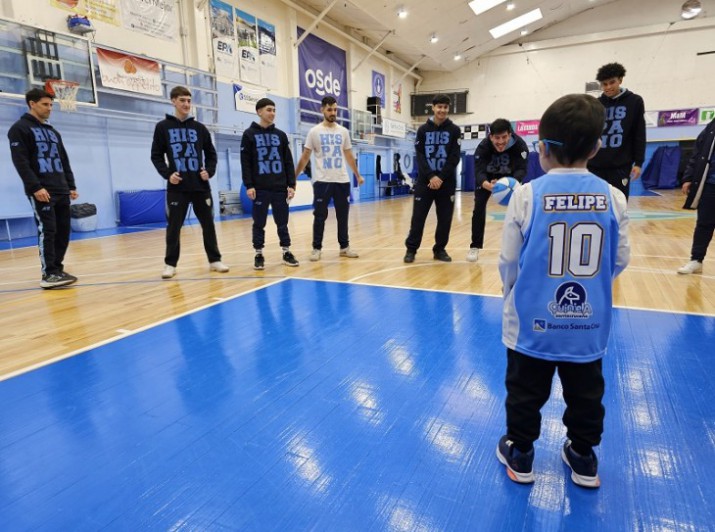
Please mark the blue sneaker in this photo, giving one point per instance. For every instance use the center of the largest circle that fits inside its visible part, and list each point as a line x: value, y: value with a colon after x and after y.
x: 584, y: 469
x: 519, y: 466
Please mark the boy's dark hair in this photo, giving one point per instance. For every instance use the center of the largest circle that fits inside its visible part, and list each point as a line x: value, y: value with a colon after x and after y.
x: 328, y: 100
x: 441, y: 98
x: 179, y: 91
x: 576, y: 121
x: 264, y: 102
x: 609, y: 71
x: 500, y: 125
x: 35, y: 95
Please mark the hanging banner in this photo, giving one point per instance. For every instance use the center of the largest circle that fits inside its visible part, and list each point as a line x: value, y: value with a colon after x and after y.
x: 397, y: 98
x: 249, y: 66
x: 527, y: 127
x: 323, y: 72
x: 119, y: 70
x: 224, y: 41
x: 651, y: 118
x: 102, y: 10
x: 378, y: 87
x: 156, y: 18
x: 267, y: 52
x: 246, y: 98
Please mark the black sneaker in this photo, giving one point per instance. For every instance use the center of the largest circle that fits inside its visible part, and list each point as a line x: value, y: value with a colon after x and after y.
x: 584, y: 469
x: 519, y: 466
x: 442, y: 255
x: 69, y: 276
x: 259, y: 262
x: 54, y: 280
x: 409, y: 256
x: 289, y: 259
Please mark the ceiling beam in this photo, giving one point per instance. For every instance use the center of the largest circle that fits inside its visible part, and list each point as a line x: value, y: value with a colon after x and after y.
x: 409, y: 72
x: 315, y: 23
x: 374, y: 49
x: 353, y: 40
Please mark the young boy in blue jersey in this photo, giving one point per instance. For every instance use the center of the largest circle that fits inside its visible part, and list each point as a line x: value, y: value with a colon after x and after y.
x: 564, y: 242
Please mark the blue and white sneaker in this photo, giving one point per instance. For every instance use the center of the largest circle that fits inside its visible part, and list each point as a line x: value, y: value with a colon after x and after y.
x: 519, y: 466
x: 584, y: 469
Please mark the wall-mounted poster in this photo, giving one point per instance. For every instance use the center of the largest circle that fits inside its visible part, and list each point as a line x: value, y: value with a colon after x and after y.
x: 397, y: 98
x: 267, y: 50
x: 323, y: 72
x: 156, y: 19
x: 248, y: 59
x: 223, y: 37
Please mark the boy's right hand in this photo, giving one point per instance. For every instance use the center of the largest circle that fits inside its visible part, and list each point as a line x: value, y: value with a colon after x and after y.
x: 175, y: 178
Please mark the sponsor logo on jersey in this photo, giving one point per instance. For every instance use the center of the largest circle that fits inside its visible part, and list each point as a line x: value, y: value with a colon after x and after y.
x: 570, y: 301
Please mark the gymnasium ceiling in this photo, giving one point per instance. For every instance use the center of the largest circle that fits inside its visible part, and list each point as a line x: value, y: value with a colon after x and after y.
x: 460, y: 31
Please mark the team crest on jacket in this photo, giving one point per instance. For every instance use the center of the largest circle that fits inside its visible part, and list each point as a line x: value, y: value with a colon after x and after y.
x: 570, y: 302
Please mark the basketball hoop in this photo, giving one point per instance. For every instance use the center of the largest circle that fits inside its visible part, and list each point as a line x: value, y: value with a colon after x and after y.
x: 65, y: 92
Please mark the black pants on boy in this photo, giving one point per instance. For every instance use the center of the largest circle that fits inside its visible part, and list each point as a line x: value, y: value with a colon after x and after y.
x: 528, y: 385
x: 479, y: 217
x: 705, y: 224
x: 443, y: 198
x: 277, y: 201
x: 619, y: 178
x: 53, y: 231
x: 177, y: 205
x: 323, y: 192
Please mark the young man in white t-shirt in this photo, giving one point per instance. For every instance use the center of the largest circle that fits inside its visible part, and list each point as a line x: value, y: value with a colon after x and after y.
x: 330, y: 143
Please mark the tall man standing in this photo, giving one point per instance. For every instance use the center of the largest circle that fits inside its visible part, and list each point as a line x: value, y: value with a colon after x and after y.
x: 184, y: 154
x: 503, y: 153
x: 437, y: 147
x: 41, y: 160
x: 622, y: 152
x: 330, y: 143
x: 269, y: 177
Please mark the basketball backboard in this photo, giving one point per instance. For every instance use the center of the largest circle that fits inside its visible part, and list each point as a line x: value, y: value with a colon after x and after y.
x: 29, y: 56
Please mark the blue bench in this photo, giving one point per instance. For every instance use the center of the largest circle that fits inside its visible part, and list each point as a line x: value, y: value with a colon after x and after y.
x: 14, y: 216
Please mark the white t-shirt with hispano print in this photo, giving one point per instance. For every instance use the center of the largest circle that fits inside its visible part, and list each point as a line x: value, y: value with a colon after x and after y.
x: 328, y: 145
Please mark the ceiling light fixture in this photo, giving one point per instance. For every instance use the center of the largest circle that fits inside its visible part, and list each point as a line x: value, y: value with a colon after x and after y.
x: 433, y: 38
x: 457, y: 57
x: 516, y: 23
x: 524, y: 32
x: 691, y: 9
x: 480, y: 6
x: 401, y: 12
x: 510, y: 6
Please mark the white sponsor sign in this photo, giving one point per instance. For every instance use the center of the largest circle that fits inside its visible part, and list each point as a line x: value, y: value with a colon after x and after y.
x: 246, y: 97
x: 393, y: 128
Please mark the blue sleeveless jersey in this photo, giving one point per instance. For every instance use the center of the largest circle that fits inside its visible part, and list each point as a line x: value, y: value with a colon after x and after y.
x: 565, y: 240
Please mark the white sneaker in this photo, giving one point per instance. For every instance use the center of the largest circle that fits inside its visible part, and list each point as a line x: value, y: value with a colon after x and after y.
x: 473, y: 255
x: 315, y: 255
x: 691, y: 267
x: 218, y: 266
x: 350, y: 253
x: 169, y: 272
